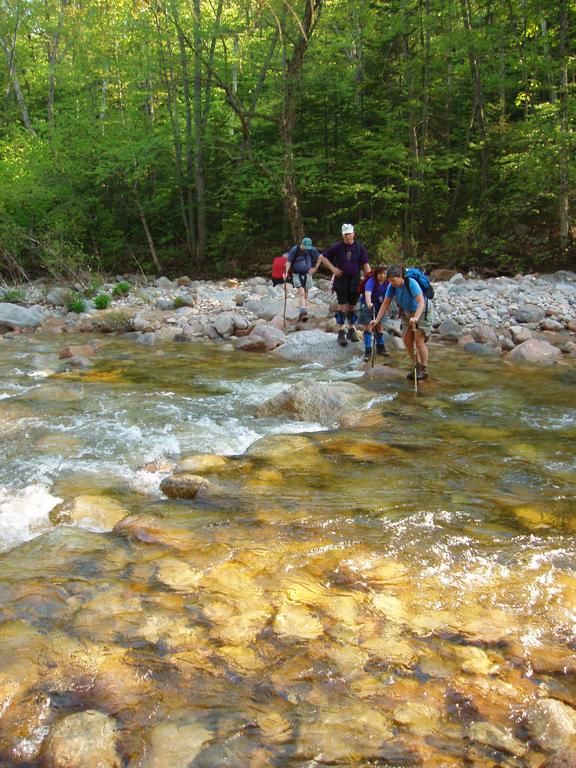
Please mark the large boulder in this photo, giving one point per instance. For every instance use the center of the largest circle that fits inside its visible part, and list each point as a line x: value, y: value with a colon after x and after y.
x: 263, y: 338
x: 99, y: 511
x: 84, y: 740
x: 316, y: 347
x: 314, y: 401
x: 534, y: 352
x: 269, y: 308
x: 58, y: 296
x: 15, y: 316
x: 449, y: 330
x: 485, y: 334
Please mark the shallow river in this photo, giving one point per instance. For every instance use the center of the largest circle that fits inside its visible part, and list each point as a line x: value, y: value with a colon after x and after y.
x: 399, y: 593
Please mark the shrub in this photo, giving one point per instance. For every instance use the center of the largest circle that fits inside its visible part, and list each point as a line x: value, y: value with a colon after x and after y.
x: 121, y: 289
x: 116, y: 322
x: 102, y: 301
x: 179, y: 302
x: 76, y: 303
x: 95, y: 285
x: 13, y: 294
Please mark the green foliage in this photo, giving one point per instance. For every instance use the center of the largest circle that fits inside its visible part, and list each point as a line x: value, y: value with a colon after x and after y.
x: 13, y: 294
x: 75, y: 302
x: 121, y: 289
x: 117, y: 321
x: 102, y: 301
x: 179, y: 302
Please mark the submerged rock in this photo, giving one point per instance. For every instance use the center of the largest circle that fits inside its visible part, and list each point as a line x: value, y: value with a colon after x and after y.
x: 497, y: 736
x: 316, y: 347
x: 314, y: 401
x: 84, y: 740
x: 101, y: 510
x: 551, y: 723
x: 200, y: 462
x: 564, y: 758
x: 175, y: 744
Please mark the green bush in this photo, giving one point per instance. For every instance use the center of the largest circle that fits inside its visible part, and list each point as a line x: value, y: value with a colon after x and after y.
x: 179, y: 302
x: 76, y: 303
x: 94, y: 286
x: 121, y: 289
x: 102, y: 301
x: 13, y: 294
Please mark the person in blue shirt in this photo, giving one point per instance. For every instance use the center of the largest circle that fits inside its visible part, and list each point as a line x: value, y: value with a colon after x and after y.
x: 416, y: 325
x: 371, y: 299
x: 303, y: 259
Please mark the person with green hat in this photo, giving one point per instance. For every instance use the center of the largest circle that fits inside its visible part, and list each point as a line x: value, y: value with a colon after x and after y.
x: 303, y: 259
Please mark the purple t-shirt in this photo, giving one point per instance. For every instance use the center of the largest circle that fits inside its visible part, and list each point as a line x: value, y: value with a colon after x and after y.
x: 349, y: 258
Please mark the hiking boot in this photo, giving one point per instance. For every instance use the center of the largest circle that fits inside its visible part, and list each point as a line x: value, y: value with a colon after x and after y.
x: 422, y: 374
x: 367, y: 355
x: 411, y: 374
x: 381, y: 350
x: 352, y: 335
x: 342, y: 338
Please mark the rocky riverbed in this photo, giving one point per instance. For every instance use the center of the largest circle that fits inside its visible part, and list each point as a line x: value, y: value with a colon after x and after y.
x: 525, y: 319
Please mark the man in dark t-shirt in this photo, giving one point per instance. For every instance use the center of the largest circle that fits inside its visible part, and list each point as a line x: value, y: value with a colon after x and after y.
x: 346, y: 260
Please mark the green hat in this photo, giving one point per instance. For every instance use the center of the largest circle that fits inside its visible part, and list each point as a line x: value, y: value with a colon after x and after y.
x: 306, y: 243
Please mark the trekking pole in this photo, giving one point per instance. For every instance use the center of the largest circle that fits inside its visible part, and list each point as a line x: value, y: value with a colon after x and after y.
x: 415, y: 361
x: 285, y: 300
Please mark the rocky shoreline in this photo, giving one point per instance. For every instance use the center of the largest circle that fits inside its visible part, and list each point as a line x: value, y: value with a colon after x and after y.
x: 526, y: 319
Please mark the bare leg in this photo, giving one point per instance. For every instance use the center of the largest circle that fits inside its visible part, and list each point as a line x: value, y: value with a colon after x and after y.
x: 421, y: 348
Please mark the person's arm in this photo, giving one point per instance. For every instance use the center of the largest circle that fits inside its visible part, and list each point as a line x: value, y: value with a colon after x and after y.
x: 380, y: 315
x: 368, y: 299
x: 316, y: 264
x: 289, y: 263
x: 366, y: 267
x: 328, y: 264
x: 419, y: 309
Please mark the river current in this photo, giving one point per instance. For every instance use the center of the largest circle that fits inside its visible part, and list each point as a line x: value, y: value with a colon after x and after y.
x: 398, y: 591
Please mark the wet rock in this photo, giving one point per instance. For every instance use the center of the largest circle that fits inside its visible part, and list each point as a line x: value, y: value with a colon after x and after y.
x: 178, y: 575
x: 262, y: 338
x: 297, y: 623
x: 316, y: 347
x: 14, y: 316
x: 290, y: 451
x: 200, y: 462
x: 99, y: 510
x: 147, y: 339
x: 81, y: 350
x: 534, y: 352
x: 564, y: 758
x: 496, y: 736
x: 476, y: 348
x: 24, y: 728
x: 183, y: 486
x: 380, y: 373
x: 314, y: 401
x: 392, y: 651
x: 551, y: 723
x: 449, y: 330
x: 83, y: 740
x: 474, y: 660
x: 548, y: 324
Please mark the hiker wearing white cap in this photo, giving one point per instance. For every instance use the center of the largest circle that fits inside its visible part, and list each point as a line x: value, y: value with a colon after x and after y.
x: 346, y: 260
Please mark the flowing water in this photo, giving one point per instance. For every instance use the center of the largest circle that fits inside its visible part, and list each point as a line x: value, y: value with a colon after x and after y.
x: 401, y: 593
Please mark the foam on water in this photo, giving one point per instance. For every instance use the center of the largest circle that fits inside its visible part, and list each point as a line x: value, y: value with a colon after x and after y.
x: 24, y: 513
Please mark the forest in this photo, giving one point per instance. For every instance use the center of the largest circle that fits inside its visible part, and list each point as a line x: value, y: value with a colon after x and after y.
x: 206, y: 136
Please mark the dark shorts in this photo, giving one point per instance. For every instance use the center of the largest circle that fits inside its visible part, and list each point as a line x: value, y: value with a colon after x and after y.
x: 280, y: 281
x: 347, y: 289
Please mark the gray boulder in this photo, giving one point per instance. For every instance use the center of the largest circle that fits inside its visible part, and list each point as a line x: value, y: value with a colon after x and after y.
x: 449, y: 330
x: 58, y: 296
x: 534, y: 352
x: 14, y: 316
x: 148, y: 339
x: 224, y: 324
x: 263, y: 338
x: 316, y: 347
x: 530, y: 313
x: 476, y: 348
x: 269, y: 308
x: 164, y: 304
x: 164, y: 282
x: 314, y: 401
x: 548, y: 324
x: 485, y: 334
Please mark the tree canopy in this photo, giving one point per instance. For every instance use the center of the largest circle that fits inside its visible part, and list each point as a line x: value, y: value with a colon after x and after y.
x: 203, y: 135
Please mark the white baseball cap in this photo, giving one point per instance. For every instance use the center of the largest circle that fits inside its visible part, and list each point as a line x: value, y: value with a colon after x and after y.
x: 347, y: 229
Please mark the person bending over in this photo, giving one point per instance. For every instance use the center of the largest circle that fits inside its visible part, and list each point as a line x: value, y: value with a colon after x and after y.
x: 371, y: 299
x: 416, y: 326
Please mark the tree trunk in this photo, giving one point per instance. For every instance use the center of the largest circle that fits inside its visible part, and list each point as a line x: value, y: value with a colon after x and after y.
x: 147, y: 232
x: 564, y: 191
x: 10, y: 54
x: 199, y: 170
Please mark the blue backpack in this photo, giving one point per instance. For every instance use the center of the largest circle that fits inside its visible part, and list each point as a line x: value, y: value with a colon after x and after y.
x: 422, y: 280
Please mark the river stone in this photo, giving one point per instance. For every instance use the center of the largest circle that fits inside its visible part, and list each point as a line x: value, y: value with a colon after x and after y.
x: 263, y: 338
x: 551, y: 723
x: 58, y: 296
x: 476, y: 348
x: 496, y: 736
x: 183, y: 486
x: 178, y: 575
x: 101, y: 510
x: 392, y: 651
x: 485, y: 334
x: 520, y: 333
x: 84, y: 740
x: 474, y: 660
x: 224, y: 324
x: 565, y: 758
x: 147, y: 339
x: 535, y: 352
x: 14, y: 316
x: 316, y: 347
x: 269, y: 308
x: 548, y: 324
x: 80, y: 350
x: 309, y: 400
x: 449, y: 330
x: 296, y: 623
x: 163, y: 282
x: 200, y: 462
x: 530, y: 313
x: 175, y: 744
